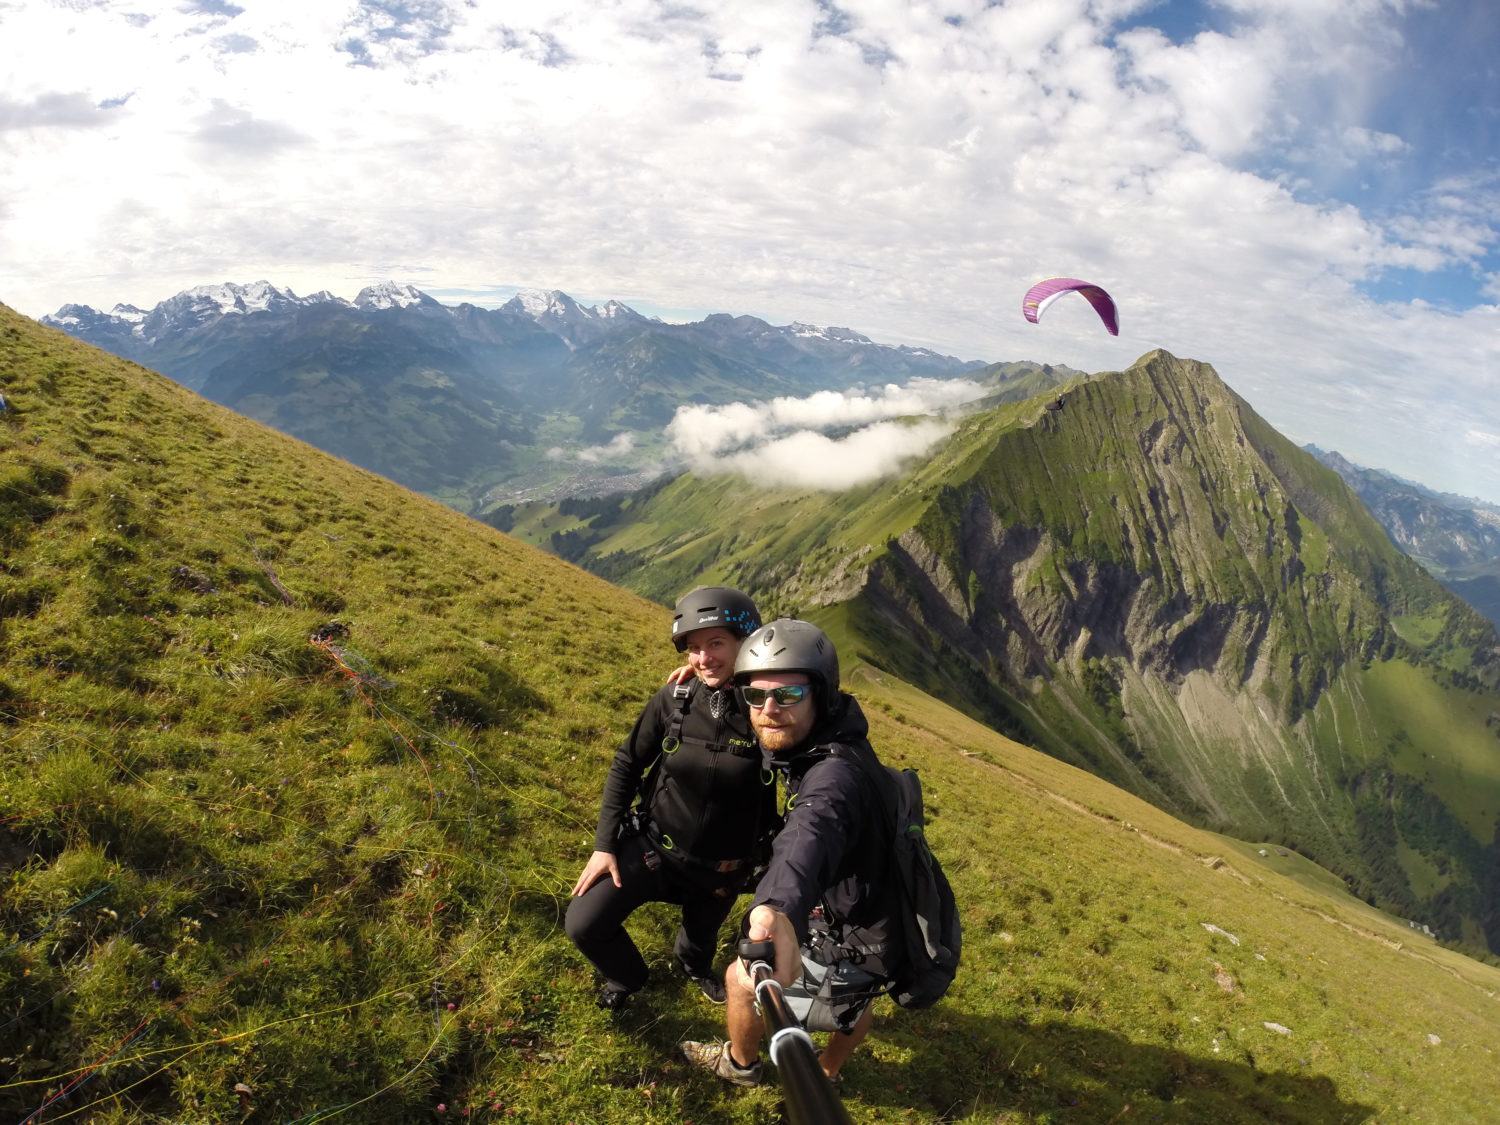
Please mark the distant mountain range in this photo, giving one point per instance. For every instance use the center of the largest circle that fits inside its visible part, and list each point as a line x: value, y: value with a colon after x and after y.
x: 453, y: 401
x: 1457, y: 538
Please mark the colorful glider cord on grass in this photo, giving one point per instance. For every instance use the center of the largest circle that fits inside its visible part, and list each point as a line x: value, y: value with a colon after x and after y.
x: 1043, y: 293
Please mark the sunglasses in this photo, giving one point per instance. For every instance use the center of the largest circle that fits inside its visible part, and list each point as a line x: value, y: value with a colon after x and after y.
x: 788, y: 696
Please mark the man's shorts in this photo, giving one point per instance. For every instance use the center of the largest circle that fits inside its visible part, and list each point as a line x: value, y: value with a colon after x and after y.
x: 831, y: 997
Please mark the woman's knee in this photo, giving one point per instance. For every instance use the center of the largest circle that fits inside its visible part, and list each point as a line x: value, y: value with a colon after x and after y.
x: 584, y: 921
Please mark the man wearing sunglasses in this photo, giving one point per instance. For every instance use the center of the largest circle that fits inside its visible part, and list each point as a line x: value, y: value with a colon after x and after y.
x: 824, y: 899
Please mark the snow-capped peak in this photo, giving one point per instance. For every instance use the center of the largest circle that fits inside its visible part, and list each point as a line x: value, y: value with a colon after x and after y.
x: 231, y: 299
x: 70, y: 316
x: 84, y: 318
x: 555, y: 305
x: 128, y: 313
x: 537, y: 303
x: 390, y: 295
x: 815, y: 332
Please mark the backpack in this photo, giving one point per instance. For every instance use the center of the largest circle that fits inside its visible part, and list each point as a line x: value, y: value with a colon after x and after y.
x: 927, y: 913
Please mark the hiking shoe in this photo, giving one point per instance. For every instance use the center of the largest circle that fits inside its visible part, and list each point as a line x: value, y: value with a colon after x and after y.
x: 613, y: 999
x: 712, y: 986
x: 715, y: 1057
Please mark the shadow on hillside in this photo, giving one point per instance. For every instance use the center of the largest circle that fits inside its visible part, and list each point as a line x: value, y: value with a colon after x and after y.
x: 962, y: 1067
x: 975, y: 1067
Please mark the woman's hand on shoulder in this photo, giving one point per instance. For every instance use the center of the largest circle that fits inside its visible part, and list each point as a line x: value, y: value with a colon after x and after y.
x: 599, y: 865
x: 682, y: 675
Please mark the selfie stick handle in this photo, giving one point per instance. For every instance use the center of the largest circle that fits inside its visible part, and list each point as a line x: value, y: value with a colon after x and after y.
x: 810, y: 1096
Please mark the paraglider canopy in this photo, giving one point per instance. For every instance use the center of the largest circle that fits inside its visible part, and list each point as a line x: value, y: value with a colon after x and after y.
x: 1043, y: 293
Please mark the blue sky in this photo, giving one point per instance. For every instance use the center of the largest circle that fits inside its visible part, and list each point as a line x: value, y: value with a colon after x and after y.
x: 1304, y: 193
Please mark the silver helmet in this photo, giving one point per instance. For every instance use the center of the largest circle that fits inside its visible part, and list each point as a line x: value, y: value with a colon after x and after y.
x: 790, y: 645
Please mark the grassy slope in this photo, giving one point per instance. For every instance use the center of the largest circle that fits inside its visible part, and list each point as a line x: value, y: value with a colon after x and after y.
x: 335, y: 872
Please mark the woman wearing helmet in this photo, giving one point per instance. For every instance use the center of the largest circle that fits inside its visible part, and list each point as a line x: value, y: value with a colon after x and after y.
x: 686, y: 806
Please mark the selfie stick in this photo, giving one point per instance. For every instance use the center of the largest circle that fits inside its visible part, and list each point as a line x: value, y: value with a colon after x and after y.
x: 810, y: 1096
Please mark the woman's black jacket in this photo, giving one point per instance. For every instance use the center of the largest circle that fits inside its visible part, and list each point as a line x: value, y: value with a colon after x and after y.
x: 707, y: 796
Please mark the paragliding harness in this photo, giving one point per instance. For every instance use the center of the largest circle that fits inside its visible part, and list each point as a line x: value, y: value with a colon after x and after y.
x: 638, y: 821
x: 923, y: 960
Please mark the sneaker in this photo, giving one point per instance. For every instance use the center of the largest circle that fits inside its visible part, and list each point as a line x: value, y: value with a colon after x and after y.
x: 613, y: 999
x: 715, y: 1057
x: 711, y: 986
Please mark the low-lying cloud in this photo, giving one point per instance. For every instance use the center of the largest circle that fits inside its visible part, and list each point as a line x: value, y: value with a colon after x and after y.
x: 811, y: 460
x: 621, y: 445
x: 784, y: 442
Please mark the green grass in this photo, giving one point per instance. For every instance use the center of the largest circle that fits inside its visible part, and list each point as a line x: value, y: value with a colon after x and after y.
x: 298, y: 768
x: 1447, y: 743
x: 1419, y: 628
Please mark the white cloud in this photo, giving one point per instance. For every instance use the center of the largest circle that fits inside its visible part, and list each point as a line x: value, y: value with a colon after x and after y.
x: 621, y: 445
x: 904, y: 169
x: 703, y: 432
x: 51, y: 110
x: 780, y: 442
x: 1368, y: 142
x: 1220, y: 87
x: 815, y: 461
x: 1483, y: 438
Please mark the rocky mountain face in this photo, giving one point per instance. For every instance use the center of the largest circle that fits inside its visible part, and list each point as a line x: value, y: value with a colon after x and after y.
x: 1141, y: 577
x: 451, y: 400
x: 1455, y: 537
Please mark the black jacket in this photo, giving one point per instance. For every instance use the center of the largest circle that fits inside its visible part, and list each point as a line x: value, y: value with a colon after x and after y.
x: 710, y: 796
x: 833, y: 853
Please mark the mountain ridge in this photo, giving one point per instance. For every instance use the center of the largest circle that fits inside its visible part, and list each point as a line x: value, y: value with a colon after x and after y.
x: 1456, y: 538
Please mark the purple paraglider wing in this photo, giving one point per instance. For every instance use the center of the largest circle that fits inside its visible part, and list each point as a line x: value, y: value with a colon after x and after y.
x: 1043, y: 293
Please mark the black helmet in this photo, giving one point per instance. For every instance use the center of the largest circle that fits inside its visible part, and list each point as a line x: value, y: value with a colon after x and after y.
x: 710, y: 606
x: 790, y: 645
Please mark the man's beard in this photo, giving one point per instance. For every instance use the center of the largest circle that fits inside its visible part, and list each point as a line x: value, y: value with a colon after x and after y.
x: 774, y: 740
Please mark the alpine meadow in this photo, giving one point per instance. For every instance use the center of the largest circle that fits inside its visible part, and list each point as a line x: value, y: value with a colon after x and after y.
x: 299, y: 767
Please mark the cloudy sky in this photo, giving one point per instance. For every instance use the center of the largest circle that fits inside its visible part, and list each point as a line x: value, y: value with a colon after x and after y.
x: 1304, y: 193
